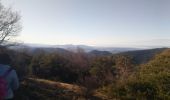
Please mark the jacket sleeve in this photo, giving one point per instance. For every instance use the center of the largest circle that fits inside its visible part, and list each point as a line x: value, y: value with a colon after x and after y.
x: 15, y: 81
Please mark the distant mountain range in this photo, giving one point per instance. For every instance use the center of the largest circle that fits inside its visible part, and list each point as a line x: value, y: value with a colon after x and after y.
x: 86, y: 48
x: 139, y: 56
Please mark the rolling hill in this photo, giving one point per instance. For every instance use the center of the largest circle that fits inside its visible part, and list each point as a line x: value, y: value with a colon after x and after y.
x: 143, y: 56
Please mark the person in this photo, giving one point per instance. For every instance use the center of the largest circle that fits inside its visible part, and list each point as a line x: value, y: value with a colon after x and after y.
x: 11, y: 79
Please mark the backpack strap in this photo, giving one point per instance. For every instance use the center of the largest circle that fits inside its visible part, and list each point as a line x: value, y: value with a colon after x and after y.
x: 7, y: 72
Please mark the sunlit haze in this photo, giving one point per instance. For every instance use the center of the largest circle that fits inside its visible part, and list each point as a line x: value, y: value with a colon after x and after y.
x: 120, y: 23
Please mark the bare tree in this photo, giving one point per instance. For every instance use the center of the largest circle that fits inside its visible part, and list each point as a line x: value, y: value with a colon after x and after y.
x: 124, y: 65
x: 9, y: 25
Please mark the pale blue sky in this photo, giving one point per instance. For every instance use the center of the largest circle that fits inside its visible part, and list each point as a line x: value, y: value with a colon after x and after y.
x: 94, y: 22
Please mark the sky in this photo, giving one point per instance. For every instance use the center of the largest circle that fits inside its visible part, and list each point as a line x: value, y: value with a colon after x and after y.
x: 120, y: 23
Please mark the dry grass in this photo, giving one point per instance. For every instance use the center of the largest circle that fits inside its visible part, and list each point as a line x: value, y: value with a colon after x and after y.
x: 67, y: 87
x: 70, y: 87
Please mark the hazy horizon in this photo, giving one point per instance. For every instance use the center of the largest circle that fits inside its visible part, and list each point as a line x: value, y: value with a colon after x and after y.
x: 109, y: 23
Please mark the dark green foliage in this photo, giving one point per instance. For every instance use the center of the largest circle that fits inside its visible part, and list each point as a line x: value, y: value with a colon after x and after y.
x: 103, y: 69
x: 124, y: 66
x: 143, y: 56
x: 20, y: 62
x: 150, y: 82
x: 52, y: 66
x: 100, y: 53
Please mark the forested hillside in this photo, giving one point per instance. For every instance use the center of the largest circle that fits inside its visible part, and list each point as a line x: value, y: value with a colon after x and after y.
x: 101, y: 77
x: 150, y: 82
x: 143, y: 56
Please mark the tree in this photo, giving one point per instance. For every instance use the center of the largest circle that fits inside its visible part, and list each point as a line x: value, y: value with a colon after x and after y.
x: 9, y: 25
x: 103, y: 68
x: 124, y: 65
